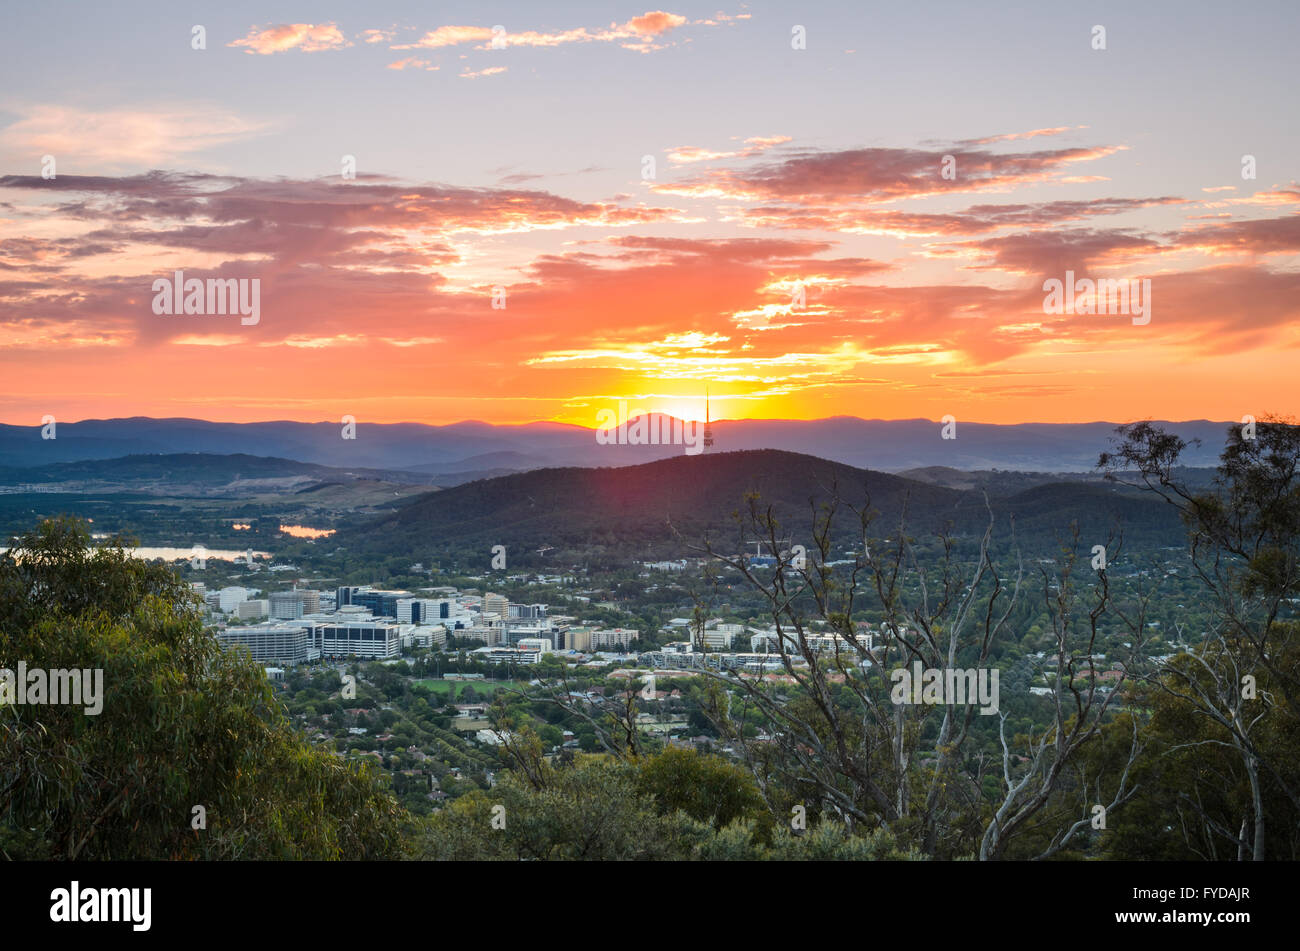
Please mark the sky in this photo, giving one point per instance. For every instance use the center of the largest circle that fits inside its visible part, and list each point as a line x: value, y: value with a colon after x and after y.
x: 515, y: 212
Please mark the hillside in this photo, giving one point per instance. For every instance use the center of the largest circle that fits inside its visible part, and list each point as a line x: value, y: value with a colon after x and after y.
x: 632, y: 512
x: 165, y: 498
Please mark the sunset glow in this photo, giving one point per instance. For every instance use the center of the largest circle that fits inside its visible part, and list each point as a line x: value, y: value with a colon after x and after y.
x: 799, y: 258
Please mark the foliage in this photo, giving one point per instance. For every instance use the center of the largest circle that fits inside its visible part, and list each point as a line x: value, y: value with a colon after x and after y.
x: 183, y: 724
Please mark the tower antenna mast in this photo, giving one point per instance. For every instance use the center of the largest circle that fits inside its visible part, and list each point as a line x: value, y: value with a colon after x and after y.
x: 708, y: 431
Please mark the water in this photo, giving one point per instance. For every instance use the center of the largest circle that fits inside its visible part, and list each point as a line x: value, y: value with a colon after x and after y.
x: 302, y: 531
x: 185, y: 554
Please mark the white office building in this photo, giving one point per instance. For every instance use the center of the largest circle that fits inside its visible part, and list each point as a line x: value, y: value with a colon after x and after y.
x: 280, y: 645
x: 718, y: 639
x: 428, y: 610
x: 616, y: 637
x: 230, y: 598
x: 347, y: 638
x: 287, y: 605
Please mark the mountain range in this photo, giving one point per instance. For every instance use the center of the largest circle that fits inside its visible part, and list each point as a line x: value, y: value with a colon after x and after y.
x: 469, y: 450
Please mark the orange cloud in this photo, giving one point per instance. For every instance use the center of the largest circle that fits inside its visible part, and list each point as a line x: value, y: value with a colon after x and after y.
x: 656, y: 22
x: 686, y: 154
x: 413, y: 62
x: 450, y: 36
x: 637, y: 33
x: 307, y: 37
x: 1011, y: 136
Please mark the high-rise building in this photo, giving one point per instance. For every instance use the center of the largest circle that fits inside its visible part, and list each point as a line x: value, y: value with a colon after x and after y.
x: 496, y: 604
x: 286, y: 605
x: 423, y: 610
x: 577, y: 639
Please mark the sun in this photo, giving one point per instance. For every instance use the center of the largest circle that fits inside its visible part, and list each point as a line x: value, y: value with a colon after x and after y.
x: 682, y: 407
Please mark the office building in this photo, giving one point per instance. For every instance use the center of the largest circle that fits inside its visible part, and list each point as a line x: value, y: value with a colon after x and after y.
x: 280, y: 645
x: 287, y: 605
x: 618, y: 638
x: 719, y: 640
x: 356, y: 638
x: 507, y: 655
x: 230, y: 598
x: 528, y: 612
x: 497, y: 605
x: 379, y: 602
x: 425, y: 610
x: 253, y: 610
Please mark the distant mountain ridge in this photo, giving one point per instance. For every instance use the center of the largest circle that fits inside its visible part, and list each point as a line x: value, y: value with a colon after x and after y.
x: 645, y: 508
x: 194, y: 467
x: 476, y: 448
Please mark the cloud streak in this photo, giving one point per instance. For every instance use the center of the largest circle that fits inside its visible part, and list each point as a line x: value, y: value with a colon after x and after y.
x: 282, y: 37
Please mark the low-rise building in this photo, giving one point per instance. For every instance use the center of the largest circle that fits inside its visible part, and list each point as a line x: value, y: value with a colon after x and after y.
x: 618, y: 637
x: 253, y: 610
x: 507, y: 655
x: 346, y: 638
x: 279, y: 645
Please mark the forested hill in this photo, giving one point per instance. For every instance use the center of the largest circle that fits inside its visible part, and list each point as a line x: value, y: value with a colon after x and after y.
x: 659, y: 508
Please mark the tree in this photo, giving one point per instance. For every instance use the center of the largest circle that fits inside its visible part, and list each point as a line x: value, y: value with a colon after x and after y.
x: 1242, y: 676
x: 707, y: 788
x: 834, y: 737
x: 599, y: 809
x: 589, y: 812
x: 184, y: 724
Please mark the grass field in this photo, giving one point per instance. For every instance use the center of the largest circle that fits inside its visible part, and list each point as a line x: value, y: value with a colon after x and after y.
x: 450, y: 686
